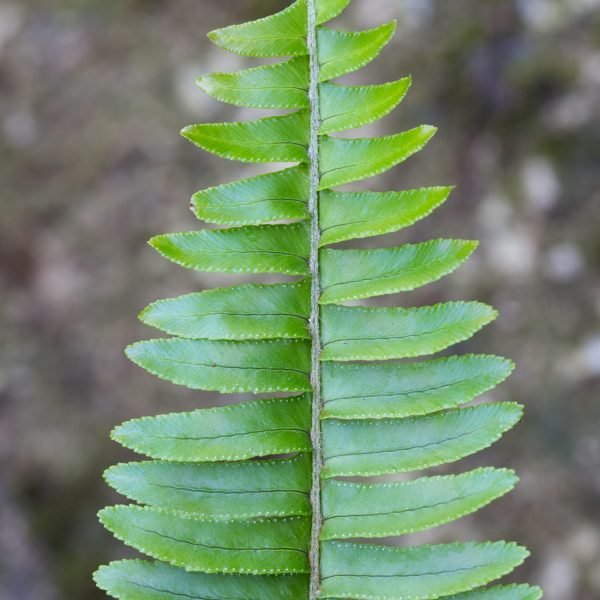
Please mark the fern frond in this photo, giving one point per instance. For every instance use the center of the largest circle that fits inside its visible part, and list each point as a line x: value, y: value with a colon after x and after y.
x: 245, y: 501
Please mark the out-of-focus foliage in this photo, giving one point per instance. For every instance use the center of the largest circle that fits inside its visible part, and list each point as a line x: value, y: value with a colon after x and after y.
x: 93, y: 94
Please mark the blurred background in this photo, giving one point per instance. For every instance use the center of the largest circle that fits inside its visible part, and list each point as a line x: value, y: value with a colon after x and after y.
x: 92, y: 96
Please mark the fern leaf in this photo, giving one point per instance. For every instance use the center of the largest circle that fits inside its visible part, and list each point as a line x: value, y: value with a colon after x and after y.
x: 348, y: 107
x: 144, y: 580
x: 264, y: 249
x: 342, y: 52
x: 219, y: 490
x: 283, y: 85
x: 274, y: 139
x: 371, y: 572
x: 237, y: 432
x: 237, y: 313
x: 364, y: 391
x: 505, y: 592
x: 367, y: 448
x: 366, y: 333
x: 271, y: 197
x: 345, y: 161
x: 356, y: 274
x: 356, y: 510
x: 273, y: 545
x: 245, y: 501
x: 352, y: 215
x: 282, y: 34
x: 258, y: 367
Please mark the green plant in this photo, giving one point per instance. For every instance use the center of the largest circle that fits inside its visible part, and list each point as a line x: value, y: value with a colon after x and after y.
x: 246, y: 501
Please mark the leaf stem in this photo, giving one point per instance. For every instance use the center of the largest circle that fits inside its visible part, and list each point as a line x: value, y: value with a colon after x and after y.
x: 314, y: 321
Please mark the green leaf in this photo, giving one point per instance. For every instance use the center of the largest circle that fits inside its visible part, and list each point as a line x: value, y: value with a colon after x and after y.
x: 348, y: 107
x: 235, y: 432
x: 281, y: 34
x: 367, y: 391
x: 271, y: 197
x: 273, y: 139
x: 367, y: 333
x: 262, y: 249
x: 351, y: 215
x: 341, y: 52
x: 253, y: 546
x: 144, y: 580
x: 505, y: 592
x: 353, y: 274
x: 347, y: 160
x: 228, y: 367
x: 386, y: 573
x: 354, y: 510
x: 245, y: 489
x: 365, y: 448
x: 329, y: 9
x: 235, y: 313
x: 283, y: 85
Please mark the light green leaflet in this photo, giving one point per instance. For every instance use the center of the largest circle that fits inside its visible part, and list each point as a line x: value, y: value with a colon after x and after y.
x: 372, y: 391
x: 250, y: 499
x: 378, y: 572
x: 356, y: 510
x: 143, y: 580
x: 348, y: 107
x: 344, y: 161
x: 257, y: 488
x: 357, y: 333
x: 282, y: 85
x: 274, y: 545
x: 236, y: 313
x: 275, y: 139
x: 281, y: 34
x: 271, y: 197
x: 352, y: 215
x: 388, y: 270
x: 264, y: 249
x: 504, y: 592
x: 236, y: 432
x: 258, y: 367
x: 364, y: 448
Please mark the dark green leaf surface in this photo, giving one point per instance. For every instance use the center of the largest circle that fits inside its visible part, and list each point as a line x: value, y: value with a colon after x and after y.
x: 245, y: 489
x: 366, y: 333
x: 271, y: 197
x: 273, y: 139
x: 353, y: 274
x: 145, y: 580
x: 364, y: 448
x: 263, y: 249
x: 236, y: 432
x: 342, y: 52
x: 387, y: 573
x: 253, y: 546
x: 283, y: 85
x: 362, y: 391
x: 352, y: 215
x: 236, y: 313
x: 257, y: 367
x: 347, y: 160
x: 354, y: 510
x: 348, y: 107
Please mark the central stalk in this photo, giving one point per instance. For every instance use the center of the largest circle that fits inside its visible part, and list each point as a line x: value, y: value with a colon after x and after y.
x: 314, y: 322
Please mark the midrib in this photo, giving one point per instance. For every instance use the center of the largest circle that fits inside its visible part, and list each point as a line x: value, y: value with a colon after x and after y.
x: 314, y: 324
